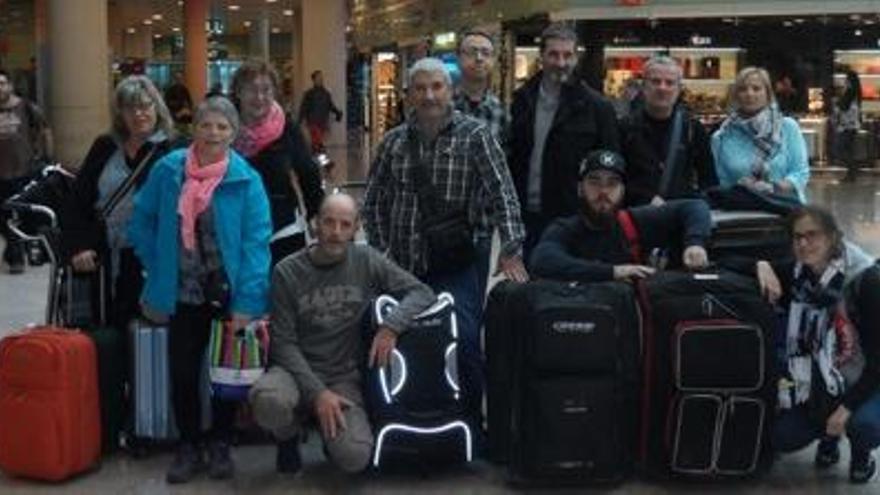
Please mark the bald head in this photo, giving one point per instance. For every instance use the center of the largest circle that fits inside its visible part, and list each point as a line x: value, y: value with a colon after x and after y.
x: 341, y: 203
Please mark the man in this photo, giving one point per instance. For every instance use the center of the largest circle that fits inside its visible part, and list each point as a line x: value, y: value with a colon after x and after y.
x: 647, y: 135
x: 319, y: 298
x: 178, y: 100
x: 315, y: 110
x: 453, y: 158
x: 592, y: 246
x: 25, y: 141
x: 556, y: 121
x: 476, y: 60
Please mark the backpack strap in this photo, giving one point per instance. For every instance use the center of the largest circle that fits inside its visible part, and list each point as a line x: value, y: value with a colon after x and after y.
x: 624, y: 218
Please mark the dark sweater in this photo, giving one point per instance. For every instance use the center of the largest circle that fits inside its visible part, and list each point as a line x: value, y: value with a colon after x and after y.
x: 572, y: 250
x: 274, y: 164
x: 82, y: 229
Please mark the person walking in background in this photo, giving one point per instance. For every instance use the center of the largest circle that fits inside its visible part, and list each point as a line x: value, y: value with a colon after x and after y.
x: 847, y: 122
x: 317, y: 104
x: 758, y: 147
x: 179, y: 101
x: 273, y: 145
x: 201, y: 228
x: 25, y: 143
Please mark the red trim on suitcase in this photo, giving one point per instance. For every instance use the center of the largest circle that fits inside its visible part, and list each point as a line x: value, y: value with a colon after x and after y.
x: 625, y: 219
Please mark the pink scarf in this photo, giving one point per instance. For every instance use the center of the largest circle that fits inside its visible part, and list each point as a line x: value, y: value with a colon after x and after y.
x: 195, y: 196
x: 252, y: 139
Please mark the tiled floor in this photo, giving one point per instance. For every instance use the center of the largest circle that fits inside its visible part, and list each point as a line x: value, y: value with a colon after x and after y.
x: 22, y: 301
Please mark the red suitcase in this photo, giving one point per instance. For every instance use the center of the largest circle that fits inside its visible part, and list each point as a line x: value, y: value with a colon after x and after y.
x: 50, y: 420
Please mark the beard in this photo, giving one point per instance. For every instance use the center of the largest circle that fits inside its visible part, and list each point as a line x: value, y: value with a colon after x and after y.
x: 600, y: 219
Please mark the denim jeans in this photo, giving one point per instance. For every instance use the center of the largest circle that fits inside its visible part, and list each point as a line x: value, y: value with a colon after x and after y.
x: 794, y: 430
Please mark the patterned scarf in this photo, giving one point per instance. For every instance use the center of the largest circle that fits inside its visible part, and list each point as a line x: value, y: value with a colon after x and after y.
x: 198, y: 188
x: 764, y: 129
x: 820, y: 334
x: 254, y: 138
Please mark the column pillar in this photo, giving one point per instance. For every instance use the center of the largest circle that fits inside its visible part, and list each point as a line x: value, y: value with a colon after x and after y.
x: 322, y: 47
x: 259, y: 43
x: 79, y: 91
x: 195, y: 13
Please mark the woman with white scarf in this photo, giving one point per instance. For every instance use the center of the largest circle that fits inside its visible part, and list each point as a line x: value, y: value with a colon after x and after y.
x: 758, y: 147
x: 829, y: 352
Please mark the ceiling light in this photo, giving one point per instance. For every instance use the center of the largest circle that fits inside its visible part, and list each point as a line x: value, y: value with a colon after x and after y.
x: 175, y: 29
x: 247, y: 24
x: 157, y: 36
x: 788, y: 24
x: 180, y: 3
x: 288, y: 12
x: 857, y: 32
x: 276, y: 30
x: 855, y: 17
x: 131, y: 30
x: 234, y: 7
x: 799, y: 20
x: 157, y: 17
x: 148, y: 22
x: 271, y: 1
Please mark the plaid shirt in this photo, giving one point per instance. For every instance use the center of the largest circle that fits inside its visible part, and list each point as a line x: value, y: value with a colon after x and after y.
x: 490, y: 110
x: 468, y: 170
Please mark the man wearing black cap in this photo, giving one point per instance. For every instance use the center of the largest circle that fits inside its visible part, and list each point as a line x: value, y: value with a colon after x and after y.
x: 592, y: 245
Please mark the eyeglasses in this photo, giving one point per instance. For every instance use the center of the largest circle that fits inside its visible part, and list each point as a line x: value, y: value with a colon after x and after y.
x: 473, y: 51
x: 258, y: 90
x: 810, y: 236
x: 139, y: 108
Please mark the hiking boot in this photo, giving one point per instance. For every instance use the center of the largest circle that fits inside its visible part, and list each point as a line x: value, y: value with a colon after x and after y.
x: 827, y: 453
x: 187, y: 463
x: 220, y: 465
x: 288, y: 459
x: 862, y: 468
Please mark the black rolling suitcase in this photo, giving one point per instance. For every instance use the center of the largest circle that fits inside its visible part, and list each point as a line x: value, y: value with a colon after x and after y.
x: 415, y: 402
x: 709, y: 389
x: 571, y: 355
x: 748, y: 234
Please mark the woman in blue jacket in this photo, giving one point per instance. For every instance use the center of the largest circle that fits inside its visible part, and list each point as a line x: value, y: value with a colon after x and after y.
x: 201, y: 228
x: 757, y: 146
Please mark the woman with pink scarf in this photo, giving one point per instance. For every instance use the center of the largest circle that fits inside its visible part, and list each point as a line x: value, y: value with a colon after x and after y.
x: 201, y: 229
x: 274, y: 147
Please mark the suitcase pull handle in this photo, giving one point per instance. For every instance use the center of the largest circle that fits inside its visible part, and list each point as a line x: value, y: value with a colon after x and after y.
x: 710, y: 302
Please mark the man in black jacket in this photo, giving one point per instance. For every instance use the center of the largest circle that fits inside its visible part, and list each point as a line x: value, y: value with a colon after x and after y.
x: 592, y: 246
x: 555, y: 121
x: 659, y: 169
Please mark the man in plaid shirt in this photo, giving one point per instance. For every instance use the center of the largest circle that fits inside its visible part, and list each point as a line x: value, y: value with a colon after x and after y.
x: 467, y: 169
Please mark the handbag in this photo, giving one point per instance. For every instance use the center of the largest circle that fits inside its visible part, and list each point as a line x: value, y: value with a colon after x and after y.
x: 448, y: 235
x: 237, y: 358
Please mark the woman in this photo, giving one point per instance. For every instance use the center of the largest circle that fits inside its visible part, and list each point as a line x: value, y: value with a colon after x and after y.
x: 201, y: 223
x: 756, y: 146
x: 274, y: 146
x: 143, y: 132
x: 847, y: 121
x: 830, y: 352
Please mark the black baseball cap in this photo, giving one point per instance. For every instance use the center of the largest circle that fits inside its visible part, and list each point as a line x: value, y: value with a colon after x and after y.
x: 608, y: 160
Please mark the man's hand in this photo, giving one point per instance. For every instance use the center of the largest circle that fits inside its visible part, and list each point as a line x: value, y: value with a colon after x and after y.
x: 512, y: 267
x: 695, y: 258
x: 383, y: 343
x: 658, y: 201
x: 85, y: 261
x: 768, y: 282
x: 329, y: 407
x: 836, y: 424
x: 623, y: 273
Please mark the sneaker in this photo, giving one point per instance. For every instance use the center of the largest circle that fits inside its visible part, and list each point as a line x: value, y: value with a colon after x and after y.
x: 187, y: 463
x: 288, y: 460
x: 827, y: 453
x: 220, y: 465
x: 863, y: 470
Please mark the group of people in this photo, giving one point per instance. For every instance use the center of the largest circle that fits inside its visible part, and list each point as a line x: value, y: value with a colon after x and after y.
x: 216, y: 222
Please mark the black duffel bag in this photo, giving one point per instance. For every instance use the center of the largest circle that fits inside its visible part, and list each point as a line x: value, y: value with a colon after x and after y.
x: 450, y: 242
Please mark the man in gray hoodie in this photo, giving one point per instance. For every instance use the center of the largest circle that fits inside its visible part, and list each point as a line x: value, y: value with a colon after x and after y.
x: 319, y: 298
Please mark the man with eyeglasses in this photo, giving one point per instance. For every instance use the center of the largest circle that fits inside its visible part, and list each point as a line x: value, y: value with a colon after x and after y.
x: 592, y: 245
x: 476, y: 59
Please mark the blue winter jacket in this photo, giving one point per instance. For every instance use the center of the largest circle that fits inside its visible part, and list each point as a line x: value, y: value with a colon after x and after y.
x: 734, y: 153
x: 242, y: 227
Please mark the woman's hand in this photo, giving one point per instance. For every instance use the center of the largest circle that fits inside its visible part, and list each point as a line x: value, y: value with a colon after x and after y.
x: 768, y: 282
x: 85, y: 261
x: 239, y: 321
x: 836, y: 425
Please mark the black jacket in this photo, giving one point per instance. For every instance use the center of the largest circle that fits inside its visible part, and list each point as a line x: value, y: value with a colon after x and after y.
x: 584, y: 121
x: 694, y: 169
x: 274, y: 163
x: 572, y: 250
x: 82, y: 230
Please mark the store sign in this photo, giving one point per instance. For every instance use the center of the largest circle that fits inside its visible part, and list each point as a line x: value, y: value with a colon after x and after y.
x: 445, y: 41
x: 697, y: 40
